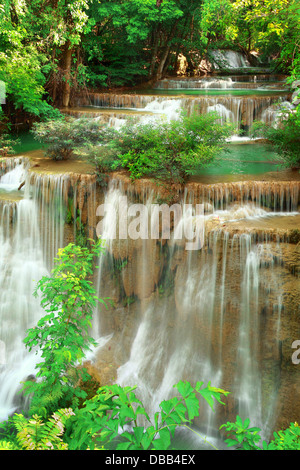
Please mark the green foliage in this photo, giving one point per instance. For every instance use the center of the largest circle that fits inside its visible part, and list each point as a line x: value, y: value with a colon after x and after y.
x: 241, y: 435
x: 284, y: 137
x: 35, y: 434
x: 269, y: 27
x: 81, y: 238
x: 65, y: 137
x: 288, y: 439
x: 112, y: 43
x: 99, y: 421
x: 61, y: 337
x: 7, y: 145
x: 102, y: 156
x: 171, y: 150
x: 22, y: 73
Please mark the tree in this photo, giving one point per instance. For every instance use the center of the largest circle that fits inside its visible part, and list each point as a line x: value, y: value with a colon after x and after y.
x: 22, y: 64
x: 271, y: 28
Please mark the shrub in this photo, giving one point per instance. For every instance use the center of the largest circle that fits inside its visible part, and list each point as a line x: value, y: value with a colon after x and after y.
x: 171, y: 151
x: 7, y: 145
x: 110, y: 418
x: 285, y: 137
x: 64, y: 137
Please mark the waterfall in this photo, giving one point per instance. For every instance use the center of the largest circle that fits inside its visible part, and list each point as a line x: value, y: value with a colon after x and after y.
x: 224, y: 312
x: 31, y: 231
x: 21, y: 266
x: 240, y: 110
x: 200, y: 315
x: 219, y: 313
x: 229, y: 59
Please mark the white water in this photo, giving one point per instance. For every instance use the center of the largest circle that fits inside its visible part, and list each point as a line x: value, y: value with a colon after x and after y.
x: 11, y: 180
x: 233, y: 109
x: 21, y: 267
x: 230, y: 59
x: 183, y: 337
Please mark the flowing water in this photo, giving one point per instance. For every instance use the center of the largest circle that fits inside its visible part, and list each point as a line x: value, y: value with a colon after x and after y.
x: 226, y: 312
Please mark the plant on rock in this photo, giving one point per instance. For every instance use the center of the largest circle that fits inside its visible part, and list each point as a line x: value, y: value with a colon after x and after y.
x: 64, y: 137
x: 171, y: 150
x: 284, y: 137
x: 62, y: 335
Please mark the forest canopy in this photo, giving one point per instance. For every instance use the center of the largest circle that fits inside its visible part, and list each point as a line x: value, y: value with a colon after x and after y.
x: 52, y: 50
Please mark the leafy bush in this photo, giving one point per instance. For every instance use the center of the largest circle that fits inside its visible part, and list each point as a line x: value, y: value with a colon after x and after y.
x: 240, y: 434
x: 243, y: 437
x: 7, y: 145
x: 64, y: 137
x: 102, y: 156
x: 285, y: 137
x: 171, y: 151
x: 105, y: 420
x: 61, y: 336
x: 110, y: 420
x: 288, y: 439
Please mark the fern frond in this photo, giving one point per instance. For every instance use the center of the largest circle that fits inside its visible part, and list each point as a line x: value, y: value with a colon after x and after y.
x: 6, y: 445
x: 34, y: 434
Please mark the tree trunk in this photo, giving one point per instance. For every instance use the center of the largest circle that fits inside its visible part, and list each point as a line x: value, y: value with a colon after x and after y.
x: 162, y: 63
x: 154, y: 53
x: 67, y: 76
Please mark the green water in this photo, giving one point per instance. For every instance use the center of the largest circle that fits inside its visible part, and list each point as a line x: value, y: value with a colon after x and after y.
x: 213, y: 92
x: 238, y: 159
x: 243, y: 158
x: 27, y: 143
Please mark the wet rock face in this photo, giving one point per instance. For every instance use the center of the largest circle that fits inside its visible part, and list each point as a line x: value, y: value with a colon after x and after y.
x: 226, y: 313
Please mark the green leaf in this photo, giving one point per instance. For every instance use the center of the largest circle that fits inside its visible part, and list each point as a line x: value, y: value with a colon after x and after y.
x: 164, y: 440
x: 138, y: 433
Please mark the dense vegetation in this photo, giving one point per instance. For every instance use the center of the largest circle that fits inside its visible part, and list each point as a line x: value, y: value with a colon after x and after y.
x: 85, y: 43
x: 284, y: 137
x: 77, y: 45
x: 167, y: 151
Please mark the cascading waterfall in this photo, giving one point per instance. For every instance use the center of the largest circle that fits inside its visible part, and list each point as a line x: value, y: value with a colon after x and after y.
x: 240, y: 110
x: 221, y: 83
x: 221, y: 313
x: 197, y: 313
x: 201, y: 318
x: 22, y: 265
x: 31, y: 231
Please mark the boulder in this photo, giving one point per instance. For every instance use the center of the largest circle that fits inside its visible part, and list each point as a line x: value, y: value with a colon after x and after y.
x: 296, y: 96
x: 295, y: 84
